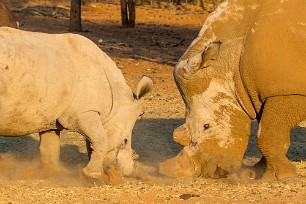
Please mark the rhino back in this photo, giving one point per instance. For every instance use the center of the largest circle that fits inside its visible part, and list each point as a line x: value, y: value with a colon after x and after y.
x: 274, y: 59
x: 42, y: 75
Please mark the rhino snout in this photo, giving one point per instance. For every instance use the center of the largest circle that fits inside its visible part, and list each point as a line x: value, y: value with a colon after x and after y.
x: 125, y: 162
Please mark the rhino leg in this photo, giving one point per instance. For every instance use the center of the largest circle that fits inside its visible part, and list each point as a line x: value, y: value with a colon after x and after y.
x: 50, y: 150
x: 89, y: 124
x: 280, y: 114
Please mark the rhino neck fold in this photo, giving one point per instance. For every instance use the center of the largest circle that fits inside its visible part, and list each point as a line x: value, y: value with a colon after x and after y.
x: 243, y: 97
x: 118, y: 86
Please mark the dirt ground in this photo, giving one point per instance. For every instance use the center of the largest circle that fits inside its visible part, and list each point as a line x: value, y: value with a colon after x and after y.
x: 161, y: 36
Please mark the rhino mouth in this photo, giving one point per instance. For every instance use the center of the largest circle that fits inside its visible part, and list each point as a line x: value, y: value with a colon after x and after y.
x: 121, y: 158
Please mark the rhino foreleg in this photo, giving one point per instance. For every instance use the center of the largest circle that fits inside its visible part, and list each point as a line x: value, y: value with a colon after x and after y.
x: 50, y: 150
x: 280, y: 114
x: 89, y: 124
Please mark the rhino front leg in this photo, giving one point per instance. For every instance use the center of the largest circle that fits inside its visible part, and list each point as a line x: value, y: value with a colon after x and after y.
x: 280, y: 115
x: 50, y: 150
x: 89, y: 124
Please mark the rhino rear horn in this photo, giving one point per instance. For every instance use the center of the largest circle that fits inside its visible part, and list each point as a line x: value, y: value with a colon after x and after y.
x: 144, y: 86
x: 203, y: 59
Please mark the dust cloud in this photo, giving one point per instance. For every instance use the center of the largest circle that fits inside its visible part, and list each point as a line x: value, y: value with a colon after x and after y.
x: 14, y: 170
x: 20, y: 161
x: 152, y: 141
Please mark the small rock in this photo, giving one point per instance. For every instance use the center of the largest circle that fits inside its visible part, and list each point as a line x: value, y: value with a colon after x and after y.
x: 187, y: 196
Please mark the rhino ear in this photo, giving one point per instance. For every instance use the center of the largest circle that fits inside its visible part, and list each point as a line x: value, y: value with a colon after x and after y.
x: 211, y: 53
x: 144, y: 86
x: 203, y: 59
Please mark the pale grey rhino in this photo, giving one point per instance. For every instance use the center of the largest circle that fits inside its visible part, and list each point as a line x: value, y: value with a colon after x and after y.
x: 50, y: 82
x: 248, y: 62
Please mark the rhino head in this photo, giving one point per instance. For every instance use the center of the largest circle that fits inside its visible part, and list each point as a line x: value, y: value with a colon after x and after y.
x: 120, y: 124
x: 217, y: 127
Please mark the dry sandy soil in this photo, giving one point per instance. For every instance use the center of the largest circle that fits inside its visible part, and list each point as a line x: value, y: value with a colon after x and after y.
x: 162, y: 34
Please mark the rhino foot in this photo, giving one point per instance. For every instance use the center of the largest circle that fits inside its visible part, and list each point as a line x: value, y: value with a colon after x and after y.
x: 93, y: 178
x: 282, y: 170
x: 110, y: 177
x: 286, y: 176
x: 92, y: 175
x: 282, y: 175
x: 113, y: 176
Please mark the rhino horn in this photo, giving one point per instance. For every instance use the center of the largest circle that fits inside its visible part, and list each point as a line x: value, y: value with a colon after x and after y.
x: 181, y: 165
x: 181, y: 135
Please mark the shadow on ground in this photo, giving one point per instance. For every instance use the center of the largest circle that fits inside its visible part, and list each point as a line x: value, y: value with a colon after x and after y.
x: 296, y: 152
x: 152, y: 140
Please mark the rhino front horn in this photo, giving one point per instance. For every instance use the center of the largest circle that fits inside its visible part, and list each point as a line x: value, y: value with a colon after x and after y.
x: 181, y: 135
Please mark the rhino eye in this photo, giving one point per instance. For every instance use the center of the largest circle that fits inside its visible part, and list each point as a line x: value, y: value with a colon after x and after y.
x: 125, y: 141
x: 206, y: 126
x: 140, y: 115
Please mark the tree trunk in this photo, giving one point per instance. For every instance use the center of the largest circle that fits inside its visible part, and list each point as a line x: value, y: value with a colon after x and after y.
x: 75, y: 16
x: 131, y: 5
x: 124, y: 14
x: 6, y: 17
x: 128, y: 13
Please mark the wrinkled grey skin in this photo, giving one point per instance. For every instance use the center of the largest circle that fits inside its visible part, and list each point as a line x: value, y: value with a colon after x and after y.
x: 248, y: 54
x: 53, y: 81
